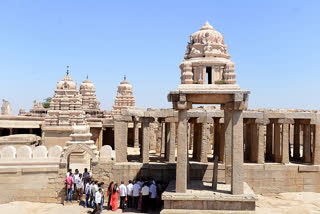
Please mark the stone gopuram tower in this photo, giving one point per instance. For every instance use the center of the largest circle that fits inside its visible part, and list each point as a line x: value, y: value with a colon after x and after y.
x: 90, y: 103
x: 66, y: 105
x: 124, y: 99
x: 65, y: 110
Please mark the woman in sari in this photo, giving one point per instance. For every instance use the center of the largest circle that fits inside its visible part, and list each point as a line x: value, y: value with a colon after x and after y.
x: 114, y: 197
x: 109, y: 192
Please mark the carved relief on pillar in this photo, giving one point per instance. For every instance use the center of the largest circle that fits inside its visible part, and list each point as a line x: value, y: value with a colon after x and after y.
x: 229, y: 75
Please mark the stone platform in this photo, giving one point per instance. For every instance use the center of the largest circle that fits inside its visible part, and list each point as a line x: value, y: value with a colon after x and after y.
x: 201, y: 197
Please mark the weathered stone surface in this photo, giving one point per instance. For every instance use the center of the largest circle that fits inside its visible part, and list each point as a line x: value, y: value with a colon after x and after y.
x: 8, y: 152
x: 182, y: 155
x: 55, y: 152
x: 24, y: 153
x: 40, y: 152
x: 6, y: 108
x: 106, y: 152
x: 120, y: 140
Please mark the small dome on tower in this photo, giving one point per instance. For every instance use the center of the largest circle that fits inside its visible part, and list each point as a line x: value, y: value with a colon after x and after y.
x: 206, y: 34
x: 125, y: 85
x: 67, y: 82
x: 87, y: 84
x: 207, y: 42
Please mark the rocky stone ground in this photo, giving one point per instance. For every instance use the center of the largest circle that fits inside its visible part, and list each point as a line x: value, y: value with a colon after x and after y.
x: 293, y: 203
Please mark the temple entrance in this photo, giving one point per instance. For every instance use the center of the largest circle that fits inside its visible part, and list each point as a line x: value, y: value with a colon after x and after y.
x: 79, y: 160
x: 78, y: 156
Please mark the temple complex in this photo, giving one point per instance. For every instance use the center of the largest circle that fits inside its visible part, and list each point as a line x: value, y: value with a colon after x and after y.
x: 214, y: 157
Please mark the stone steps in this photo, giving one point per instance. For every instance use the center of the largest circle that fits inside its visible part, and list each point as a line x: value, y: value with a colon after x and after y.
x: 182, y: 211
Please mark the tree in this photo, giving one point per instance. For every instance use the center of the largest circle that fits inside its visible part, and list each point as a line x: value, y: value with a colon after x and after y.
x: 46, y: 103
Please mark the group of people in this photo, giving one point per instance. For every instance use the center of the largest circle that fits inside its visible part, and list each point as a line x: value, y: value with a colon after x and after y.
x: 140, y: 194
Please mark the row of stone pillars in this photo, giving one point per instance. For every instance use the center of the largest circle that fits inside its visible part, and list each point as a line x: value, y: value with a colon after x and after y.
x: 121, y: 136
x: 288, y: 139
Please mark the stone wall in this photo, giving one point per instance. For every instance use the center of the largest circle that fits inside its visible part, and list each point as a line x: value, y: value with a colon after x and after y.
x: 37, y: 174
x: 277, y: 178
x: 56, y: 136
x: 31, y: 174
x: 262, y: 178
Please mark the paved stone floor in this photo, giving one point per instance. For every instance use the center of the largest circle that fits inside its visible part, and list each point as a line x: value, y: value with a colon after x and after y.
x: 291, y: 203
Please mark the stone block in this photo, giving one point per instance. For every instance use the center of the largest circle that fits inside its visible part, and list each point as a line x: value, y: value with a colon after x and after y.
x: 8, y: 153
x: 55, y: 152
x: 106, y: 152
x: 40, y: 152
x: 24, y: 153
x: 309, y: 168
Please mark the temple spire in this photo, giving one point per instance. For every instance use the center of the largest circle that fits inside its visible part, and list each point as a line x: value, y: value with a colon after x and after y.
x: 87, y: 76
x: 124, y: 78
x: 67, y: 70
x: 207, y: 26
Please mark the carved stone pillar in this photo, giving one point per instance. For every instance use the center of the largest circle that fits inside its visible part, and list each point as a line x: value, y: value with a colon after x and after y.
x: 197, y: 140
x: 182, y: 157
x: 136, y: 135
x: 145, y: 121
x: 172, y: 143
x: 237, y: 175
x: 261, y: 142
x: 121, y: 140
x: 306, y: 144
x: 285, y: 143
x: 204, y: 143
x: 316, y: 150
x: 228, y: 144
x: 186, y: 73
x: 163, y: 139
x: 296, y: 146
x: 277, y: 142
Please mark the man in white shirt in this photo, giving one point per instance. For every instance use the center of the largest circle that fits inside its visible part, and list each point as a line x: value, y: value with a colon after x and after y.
x: 68, y: 173
x: 129, y: 194
x: 94, y: 190
x: 145, y: 197
x: 97, y: 201
x: 79, y: 186
x: 75, y: 176
x: 153, y: 196
x: 88, y: 193
x: 123, y: 195
x: 136, y: 194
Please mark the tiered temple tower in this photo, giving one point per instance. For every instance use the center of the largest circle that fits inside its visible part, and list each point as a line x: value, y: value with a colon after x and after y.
x: 66, y: 105
x: 124, y: 99
x: 90, y: 103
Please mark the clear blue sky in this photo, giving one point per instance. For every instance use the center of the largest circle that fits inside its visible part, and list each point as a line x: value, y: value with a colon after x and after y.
x: 275, y: 45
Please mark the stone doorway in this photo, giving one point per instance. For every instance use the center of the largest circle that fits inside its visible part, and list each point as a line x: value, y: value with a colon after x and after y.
x: 78, y: 156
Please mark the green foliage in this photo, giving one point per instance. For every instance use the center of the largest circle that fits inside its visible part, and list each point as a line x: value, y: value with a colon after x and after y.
x: 220, y: 82
x: 46, y: 103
